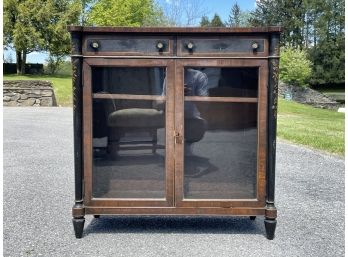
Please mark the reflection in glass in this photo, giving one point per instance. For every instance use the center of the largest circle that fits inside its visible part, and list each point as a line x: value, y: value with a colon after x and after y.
x: 128, y: 134
x: 128, y: 80
x: 225, y: 81
x: 221, y: 155
x: 220, y: 152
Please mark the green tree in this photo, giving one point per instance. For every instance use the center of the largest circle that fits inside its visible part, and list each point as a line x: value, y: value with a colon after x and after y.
x: 328, y: 59
x: 265, y: 13
x: 328, y: 50
x: 86, y: 8
x: 134, y: 13
x: 204, y: 22
x: 317, y: 26
x: 244, y: 17
x: 234, y: 19
x: 57, y: 37
x: 38, y: 25
x: 216, y: 21
x: 294, y: 67
x: 288, y: 13
x: 53, y: 63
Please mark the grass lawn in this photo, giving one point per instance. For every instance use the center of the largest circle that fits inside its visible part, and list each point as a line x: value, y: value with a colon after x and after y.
x: 62, y: 85
x: 317, y: 128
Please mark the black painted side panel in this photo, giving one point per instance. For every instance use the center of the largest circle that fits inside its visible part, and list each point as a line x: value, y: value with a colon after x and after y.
x: 77, y: 114
x: 272, y: 116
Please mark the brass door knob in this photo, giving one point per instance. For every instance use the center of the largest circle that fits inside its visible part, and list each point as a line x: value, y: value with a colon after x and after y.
x: 160, y: 46
x: 190, y: 46
x: 95, y: 45
x: 254, y: 46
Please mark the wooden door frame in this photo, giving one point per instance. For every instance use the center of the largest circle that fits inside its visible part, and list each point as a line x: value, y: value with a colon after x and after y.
x: 262, y: 65
x: 91, y: 202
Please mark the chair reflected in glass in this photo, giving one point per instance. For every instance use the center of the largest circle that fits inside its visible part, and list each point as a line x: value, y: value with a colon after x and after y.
x: 123, y: 116
x: 125, y: 121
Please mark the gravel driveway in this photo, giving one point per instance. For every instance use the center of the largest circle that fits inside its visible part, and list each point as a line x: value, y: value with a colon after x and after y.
x: 39, y: 194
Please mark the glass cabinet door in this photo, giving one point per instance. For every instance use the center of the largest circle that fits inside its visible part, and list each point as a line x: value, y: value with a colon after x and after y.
x: 131, y: 117
x: 222, y: 123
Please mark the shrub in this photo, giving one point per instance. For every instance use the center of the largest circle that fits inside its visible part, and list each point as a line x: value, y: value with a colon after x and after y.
x: 294, y: 67
x: 53, y: 63
x: 58, y: 66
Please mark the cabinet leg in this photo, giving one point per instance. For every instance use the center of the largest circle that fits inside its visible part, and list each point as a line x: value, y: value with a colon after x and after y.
x: 252, y: 217
x: 78, y: 226
x: 270, y: 225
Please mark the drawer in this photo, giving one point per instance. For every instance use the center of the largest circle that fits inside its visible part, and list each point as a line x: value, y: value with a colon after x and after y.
x: 223, y: 46
x: 126, y: 45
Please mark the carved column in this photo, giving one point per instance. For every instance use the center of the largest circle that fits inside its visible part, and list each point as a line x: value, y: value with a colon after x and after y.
x: 76, y: 59
x: 271, y: 211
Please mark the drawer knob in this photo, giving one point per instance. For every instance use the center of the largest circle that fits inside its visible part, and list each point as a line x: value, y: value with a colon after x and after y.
x: 160, y: 46
x: 190, y: 46
x: 254, y: 46
x: 95, y: 45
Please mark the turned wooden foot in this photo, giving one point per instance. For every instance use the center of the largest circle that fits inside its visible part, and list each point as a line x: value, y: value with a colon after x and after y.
x: 78, y: 226
x: 252, y: 217
x: 270, y: 225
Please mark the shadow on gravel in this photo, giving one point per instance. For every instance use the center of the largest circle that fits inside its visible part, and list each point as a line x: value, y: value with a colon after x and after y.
x: 195, y: 225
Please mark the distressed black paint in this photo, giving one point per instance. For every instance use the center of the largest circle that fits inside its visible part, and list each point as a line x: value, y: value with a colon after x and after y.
x: 272, y: 115
x: 271, y: 211
x: 78, y: 226
x: 77, y: 116
x: 76, y: 46
x: 212, y: 44
x: 222, y: 45
x: 128, y: 45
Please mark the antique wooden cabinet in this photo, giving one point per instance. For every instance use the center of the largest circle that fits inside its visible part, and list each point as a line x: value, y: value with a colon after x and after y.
x: 175, y: 121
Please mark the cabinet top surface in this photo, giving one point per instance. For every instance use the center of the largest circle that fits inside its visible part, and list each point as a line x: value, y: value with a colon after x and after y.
x: 174, y: 30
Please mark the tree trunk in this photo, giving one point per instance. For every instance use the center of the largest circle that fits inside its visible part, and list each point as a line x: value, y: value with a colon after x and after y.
x: 308, y: 20
x: 24, y: 59
x: 18, y: 61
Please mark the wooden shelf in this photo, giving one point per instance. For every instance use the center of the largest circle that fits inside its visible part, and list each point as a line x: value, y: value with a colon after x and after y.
x: 129, y: 97
x: 221, y: 99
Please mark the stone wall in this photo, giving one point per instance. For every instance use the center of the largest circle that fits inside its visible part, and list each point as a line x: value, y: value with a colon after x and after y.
x: 28, y: 93
x: 308, y: 96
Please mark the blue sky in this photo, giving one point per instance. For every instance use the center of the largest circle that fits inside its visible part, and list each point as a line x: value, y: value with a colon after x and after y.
x: 221, y: 7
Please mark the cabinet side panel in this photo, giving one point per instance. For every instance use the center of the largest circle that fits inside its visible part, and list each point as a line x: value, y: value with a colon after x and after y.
x: 76, y: 60
x: 272, y: 116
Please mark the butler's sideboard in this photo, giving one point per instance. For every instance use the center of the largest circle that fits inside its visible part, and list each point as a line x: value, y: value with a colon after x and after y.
x: 175, y: 121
